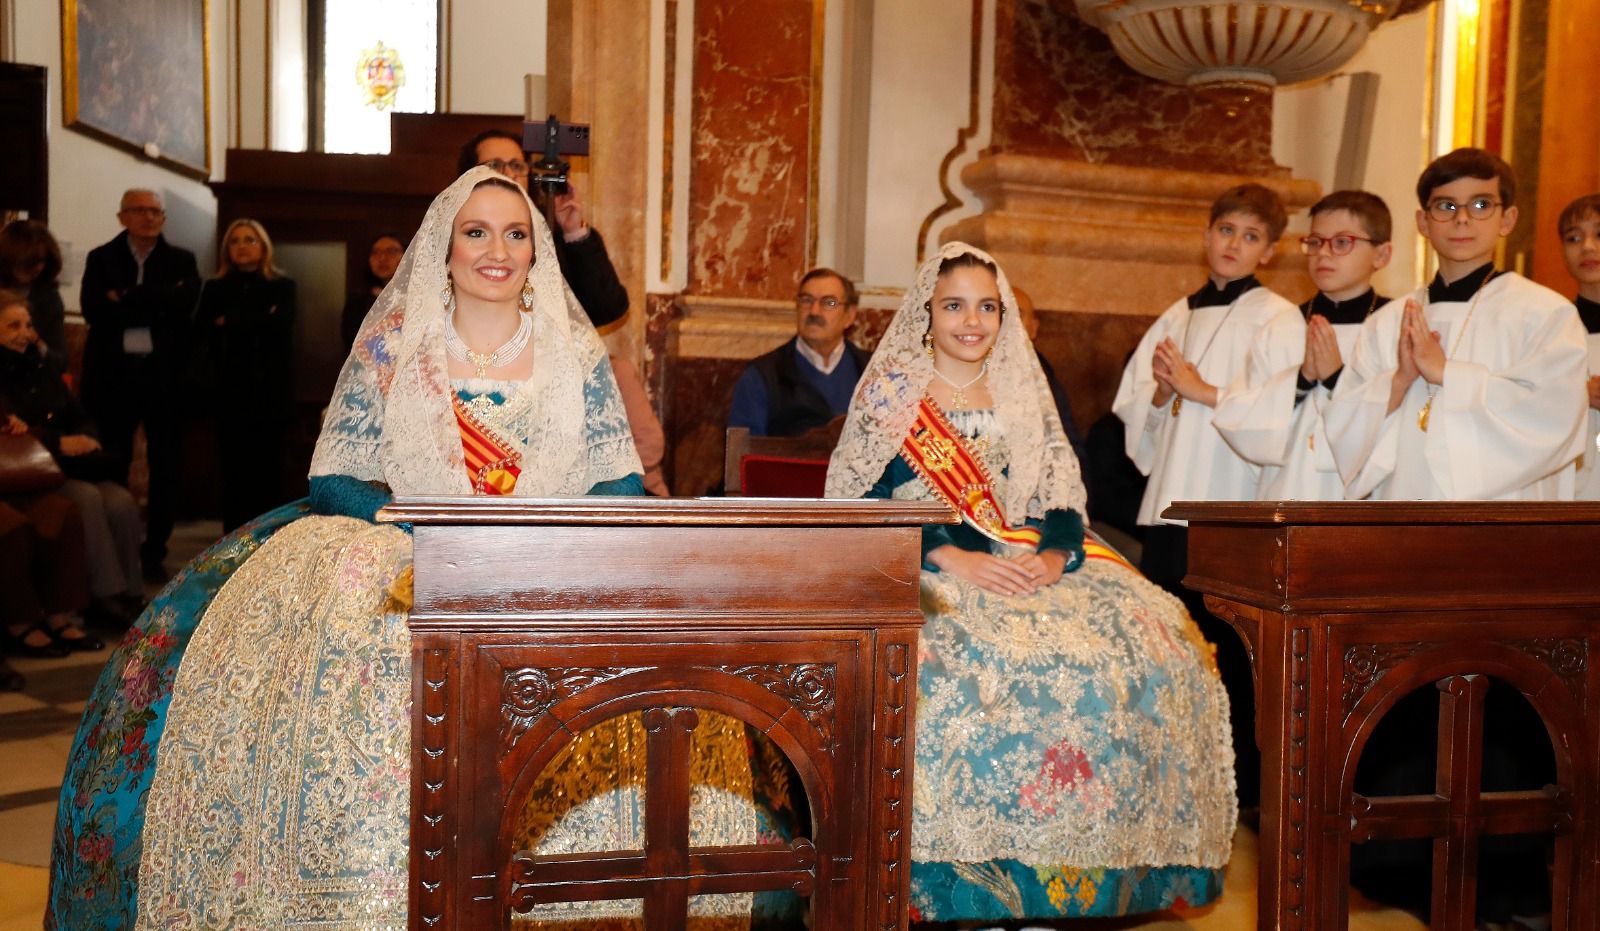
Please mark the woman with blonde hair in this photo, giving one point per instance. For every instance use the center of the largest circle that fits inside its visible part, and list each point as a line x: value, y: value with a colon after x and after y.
x: 244, y: 336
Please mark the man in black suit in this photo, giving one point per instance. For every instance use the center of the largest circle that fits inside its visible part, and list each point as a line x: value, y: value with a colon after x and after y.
x: 138, y: 296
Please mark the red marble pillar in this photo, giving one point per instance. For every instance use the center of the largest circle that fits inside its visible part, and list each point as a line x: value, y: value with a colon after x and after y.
x: 752, y: 168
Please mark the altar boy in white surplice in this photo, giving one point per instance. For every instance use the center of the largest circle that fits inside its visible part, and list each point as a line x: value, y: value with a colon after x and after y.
x: 1349, y: 242
x: 1472, y: 388
x: 1229, y: 338
x: 1580, y: 246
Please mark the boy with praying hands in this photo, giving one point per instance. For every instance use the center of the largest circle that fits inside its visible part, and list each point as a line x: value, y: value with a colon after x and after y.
x: 1231, y: 339
x: 1349, y: 242
x: 1473, y: 388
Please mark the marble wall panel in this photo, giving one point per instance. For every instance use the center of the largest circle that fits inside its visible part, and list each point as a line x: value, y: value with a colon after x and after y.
x: 1060, y: 89
x: 751, y: 125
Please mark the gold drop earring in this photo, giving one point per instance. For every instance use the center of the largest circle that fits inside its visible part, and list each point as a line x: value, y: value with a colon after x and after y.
x: 448, y: 296
x: 527, y: 292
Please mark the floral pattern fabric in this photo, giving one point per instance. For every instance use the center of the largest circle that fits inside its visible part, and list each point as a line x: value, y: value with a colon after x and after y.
x: 94, y: 867
x: 1073, y: 754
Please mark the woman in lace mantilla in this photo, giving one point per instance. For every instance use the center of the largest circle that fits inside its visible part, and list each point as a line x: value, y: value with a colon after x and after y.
x: 1073, y: 755
x: 244, y: 760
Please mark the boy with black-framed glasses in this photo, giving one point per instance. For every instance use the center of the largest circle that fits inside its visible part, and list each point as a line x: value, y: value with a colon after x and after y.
x: 1473, y: 387
x: 1349, y: 242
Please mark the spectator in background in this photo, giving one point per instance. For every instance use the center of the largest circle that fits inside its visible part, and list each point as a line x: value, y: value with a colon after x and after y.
x: 138, y: 294
x: 579, y: 249
x: 807, y: 381
x: 383, y: 258
x: 30, y: 262
x: 37, y: 400
x: 244, y: 330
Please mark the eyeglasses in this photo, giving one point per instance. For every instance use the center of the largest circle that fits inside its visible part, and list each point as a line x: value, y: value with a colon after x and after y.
x: 244, y: 241
x: 828, y: 303
x: 144, y: 211
x: 515, y: 166
x: 1479, y: 208
x: 1337, y: 245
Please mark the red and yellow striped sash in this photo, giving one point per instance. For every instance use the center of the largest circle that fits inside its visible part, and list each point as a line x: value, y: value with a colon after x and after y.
x: 943, y: 458
x: 491, y: 462
x: 1094, y: 549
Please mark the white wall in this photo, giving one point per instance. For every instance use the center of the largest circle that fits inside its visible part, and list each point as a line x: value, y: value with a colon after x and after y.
x: 492, y: 45
x: 920, y: 91
x: 1308, y: 118
x: 87, y: 177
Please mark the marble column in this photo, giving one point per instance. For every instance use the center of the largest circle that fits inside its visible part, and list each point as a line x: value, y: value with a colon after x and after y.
x: 1096, y: 187
x: 598, y: 75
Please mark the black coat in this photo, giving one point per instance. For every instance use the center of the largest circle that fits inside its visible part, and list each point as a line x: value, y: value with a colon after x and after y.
x: 591, y: 276
x: 244, y: 342
x: 33, y: 387
x: 112, y: 303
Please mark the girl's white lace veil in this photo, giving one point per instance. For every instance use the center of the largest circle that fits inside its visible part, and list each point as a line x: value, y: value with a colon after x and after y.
x: 1043, y: 472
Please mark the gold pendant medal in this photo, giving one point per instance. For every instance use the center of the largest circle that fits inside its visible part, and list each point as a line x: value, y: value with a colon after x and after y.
x: 1422, y: 416
x: 1177, y: 405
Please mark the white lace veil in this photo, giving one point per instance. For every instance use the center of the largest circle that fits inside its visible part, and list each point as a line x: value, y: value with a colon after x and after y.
x: 1043, y: 472
x: 390, y: 418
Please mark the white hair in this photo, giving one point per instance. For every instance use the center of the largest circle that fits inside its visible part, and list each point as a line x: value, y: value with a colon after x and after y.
x: 142, y: 190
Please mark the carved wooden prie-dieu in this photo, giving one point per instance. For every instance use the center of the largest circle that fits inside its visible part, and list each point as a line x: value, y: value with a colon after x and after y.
x: 533, y: 620
x: 1345, y: 609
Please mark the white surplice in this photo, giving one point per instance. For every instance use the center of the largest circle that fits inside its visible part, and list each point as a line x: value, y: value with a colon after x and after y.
x: 1588, y: 478
x: 1308, y: 472
x: 1507, y: 423
x: 1186, y: 455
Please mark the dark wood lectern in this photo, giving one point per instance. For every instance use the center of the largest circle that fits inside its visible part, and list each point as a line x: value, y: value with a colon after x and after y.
x: 1345, y: 608
x: 533, y: 620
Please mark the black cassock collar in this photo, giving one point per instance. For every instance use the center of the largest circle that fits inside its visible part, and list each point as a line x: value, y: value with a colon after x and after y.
x: 1213, y: 296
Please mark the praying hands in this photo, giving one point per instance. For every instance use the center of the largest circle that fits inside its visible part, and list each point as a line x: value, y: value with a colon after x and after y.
x: 1177, y: 375
x: 1322, y: 360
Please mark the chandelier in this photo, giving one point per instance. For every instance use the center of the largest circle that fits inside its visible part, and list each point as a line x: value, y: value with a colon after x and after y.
x: 1245, y: 46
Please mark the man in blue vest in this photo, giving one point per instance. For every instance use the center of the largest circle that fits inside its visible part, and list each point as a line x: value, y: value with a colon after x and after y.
x: 808, y: 380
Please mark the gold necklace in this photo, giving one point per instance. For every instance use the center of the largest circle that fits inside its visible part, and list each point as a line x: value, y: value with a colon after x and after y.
x: 1177, y: 399
x: 1433, y: 390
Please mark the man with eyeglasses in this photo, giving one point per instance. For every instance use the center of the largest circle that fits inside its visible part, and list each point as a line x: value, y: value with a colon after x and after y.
x: 138, y: 295
x: 579, y: 249
x: 1472, y: 388
x: 808, y: 380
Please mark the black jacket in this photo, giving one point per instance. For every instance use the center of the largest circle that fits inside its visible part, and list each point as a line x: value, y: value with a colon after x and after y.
x: 112, y: 303
x: 244, y: 340
x: 32, y: 387
x: 593, y: 279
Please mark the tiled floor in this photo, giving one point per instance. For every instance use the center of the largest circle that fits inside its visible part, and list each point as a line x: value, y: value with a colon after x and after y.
x: 37, y: 726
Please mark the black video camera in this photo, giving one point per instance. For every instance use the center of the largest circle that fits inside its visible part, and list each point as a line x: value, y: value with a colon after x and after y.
x: 548, y: 176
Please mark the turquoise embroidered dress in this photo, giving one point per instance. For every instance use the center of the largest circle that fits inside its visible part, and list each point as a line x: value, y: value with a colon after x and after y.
x: 244, y: 759
x: 1078, y: 728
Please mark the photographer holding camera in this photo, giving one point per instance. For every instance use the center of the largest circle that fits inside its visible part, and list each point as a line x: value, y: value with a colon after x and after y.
x: 579, y: 249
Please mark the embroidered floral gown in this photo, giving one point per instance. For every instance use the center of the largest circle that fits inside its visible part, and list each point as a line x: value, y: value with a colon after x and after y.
x: 270, y: 683
x: 1072, y: 745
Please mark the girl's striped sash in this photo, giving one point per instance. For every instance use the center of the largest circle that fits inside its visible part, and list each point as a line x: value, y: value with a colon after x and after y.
x: 943, y: 458
x: 491, y: 462
x: 1094, y: 549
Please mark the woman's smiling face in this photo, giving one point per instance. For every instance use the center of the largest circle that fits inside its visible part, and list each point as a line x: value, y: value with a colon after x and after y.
x: 491, y: 245
x: 16, y: 328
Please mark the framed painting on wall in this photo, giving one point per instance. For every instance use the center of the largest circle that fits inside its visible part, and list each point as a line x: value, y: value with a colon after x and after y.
x: 136, y: 74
